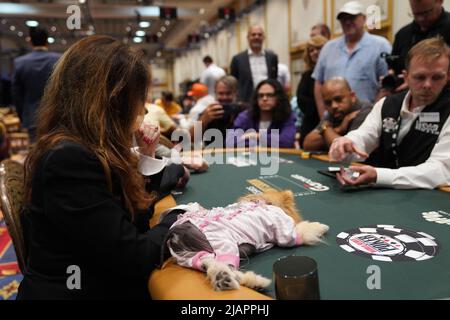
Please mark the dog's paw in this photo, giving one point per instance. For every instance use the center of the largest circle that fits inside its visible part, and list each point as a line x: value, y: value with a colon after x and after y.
x: 311, y: 232
x: 222, y: 277
x: 252, y: 280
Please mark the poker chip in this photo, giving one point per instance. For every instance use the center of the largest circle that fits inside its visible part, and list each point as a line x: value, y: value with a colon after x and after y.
x: 390, y: 125
x: 388, y: 243
x: 306, y: 155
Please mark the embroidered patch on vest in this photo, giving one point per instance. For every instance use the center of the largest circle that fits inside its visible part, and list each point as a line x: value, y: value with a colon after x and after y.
x: 431, y: 128
x: 390, y: 125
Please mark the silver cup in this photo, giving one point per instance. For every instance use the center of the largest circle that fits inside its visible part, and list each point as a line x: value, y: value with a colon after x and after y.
x: 296, y: 278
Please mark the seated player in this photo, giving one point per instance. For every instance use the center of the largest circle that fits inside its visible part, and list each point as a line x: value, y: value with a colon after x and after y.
x: 409, y: 131
x: 345, y: 112
x: 270, y: 113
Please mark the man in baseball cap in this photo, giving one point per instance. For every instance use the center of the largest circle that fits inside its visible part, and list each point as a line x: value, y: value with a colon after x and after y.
x: 355, y: 56
x: 353, y: 8
x: 198, y: 90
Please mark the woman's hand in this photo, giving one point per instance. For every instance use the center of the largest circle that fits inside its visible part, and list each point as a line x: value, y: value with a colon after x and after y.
x: 147, y: 138
x: 184, y: 179
x: 195, y: 162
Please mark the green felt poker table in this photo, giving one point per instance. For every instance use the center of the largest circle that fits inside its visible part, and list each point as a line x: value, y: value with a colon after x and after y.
x: 420, y: 217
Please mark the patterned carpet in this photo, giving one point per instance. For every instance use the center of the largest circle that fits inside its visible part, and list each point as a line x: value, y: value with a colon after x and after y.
x: 10, y: 276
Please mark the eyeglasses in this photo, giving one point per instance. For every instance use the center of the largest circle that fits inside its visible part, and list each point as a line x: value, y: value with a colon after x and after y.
x: 268, y: 95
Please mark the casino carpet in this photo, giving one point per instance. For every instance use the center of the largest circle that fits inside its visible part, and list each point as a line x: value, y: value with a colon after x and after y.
x: 10, y: 276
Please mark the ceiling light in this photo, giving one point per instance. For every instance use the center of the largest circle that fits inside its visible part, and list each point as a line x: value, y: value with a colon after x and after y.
x: 167, y: 22
x: 32, y: 23
x: 51, y: 40
x: 63, y: 41
x: 20, y: 34
x: 82, y: 1
x: 53, y: 28
x: 163, y: 29
x: 159, y: 34
x: 12, y: 28
x: 202, y: 11
x: 140, y: 33
x: 158, y: 54
x: 144, y: 24
x: 137, y: 40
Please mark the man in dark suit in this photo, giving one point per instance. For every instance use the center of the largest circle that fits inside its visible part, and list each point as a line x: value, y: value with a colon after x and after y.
x: 253, y: 65
x: 31, y: 73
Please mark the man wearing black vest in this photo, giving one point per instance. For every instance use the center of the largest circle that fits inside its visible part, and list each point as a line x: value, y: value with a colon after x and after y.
x: 408, y: 132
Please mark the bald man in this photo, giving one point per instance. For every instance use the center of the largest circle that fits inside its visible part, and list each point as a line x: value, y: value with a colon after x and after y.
x: 345, y: 112
x: 253, y: 65
x: 430, y: 20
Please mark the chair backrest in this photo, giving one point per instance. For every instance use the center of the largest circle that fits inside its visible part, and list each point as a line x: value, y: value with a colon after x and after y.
x: 11, y: 200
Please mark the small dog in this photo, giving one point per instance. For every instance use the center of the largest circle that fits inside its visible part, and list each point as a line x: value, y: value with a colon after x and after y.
x: 213, y: 241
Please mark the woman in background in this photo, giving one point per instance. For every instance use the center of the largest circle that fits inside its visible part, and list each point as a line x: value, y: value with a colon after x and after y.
x: 85, y: 232
x: 270, y: 111
x: 305, y: 90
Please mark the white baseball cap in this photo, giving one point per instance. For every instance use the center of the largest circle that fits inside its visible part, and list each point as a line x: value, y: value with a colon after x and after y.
x: 353, y: 7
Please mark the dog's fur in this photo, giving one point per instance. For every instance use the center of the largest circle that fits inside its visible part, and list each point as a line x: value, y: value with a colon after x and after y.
x: 188, y: 239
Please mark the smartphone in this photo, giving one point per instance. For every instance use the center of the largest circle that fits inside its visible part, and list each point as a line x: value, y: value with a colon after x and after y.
x: 230, y: 109
x: 331, y: 174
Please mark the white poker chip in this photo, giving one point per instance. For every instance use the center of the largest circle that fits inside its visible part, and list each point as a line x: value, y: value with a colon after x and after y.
x: 388, y: 243
x: 389, y: 125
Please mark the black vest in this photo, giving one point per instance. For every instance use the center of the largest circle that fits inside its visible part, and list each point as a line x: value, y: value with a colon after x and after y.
x: 418, y: 143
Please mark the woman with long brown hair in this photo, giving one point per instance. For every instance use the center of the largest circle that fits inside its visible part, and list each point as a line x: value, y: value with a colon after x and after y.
x: 84, y: 230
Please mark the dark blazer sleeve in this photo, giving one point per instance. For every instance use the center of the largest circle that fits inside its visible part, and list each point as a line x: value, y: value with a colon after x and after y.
x: 234, y: 68
x: 272, y: 64
x: 78, y: 203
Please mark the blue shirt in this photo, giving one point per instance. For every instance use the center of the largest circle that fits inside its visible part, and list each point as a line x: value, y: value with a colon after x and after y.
x: 362, y: 68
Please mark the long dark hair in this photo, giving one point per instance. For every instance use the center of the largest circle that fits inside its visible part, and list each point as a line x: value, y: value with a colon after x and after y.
x: 94, y: 96
x: 282, y: 110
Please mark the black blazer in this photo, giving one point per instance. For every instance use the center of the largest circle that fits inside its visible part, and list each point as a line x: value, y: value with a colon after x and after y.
x: 240, y: 69
x: 73, y: 219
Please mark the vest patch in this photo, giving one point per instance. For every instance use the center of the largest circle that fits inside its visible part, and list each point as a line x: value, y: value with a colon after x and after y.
x: 431, y: 128
x: 390, y: 125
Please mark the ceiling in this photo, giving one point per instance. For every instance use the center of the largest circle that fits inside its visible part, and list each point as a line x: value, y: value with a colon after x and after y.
x: 118, y: 18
